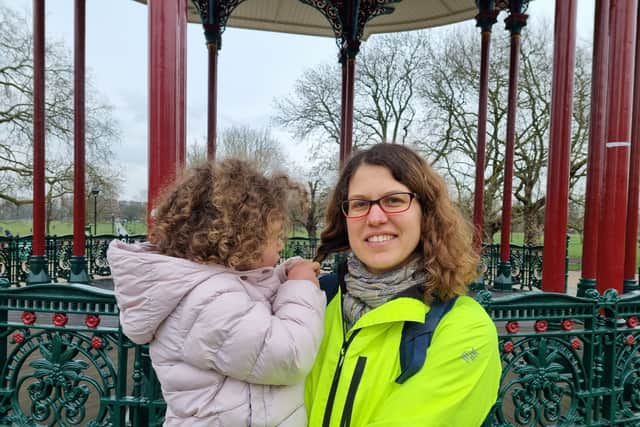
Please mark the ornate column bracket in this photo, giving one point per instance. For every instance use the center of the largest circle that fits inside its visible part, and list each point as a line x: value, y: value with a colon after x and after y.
x: 348, y: 19
x: 487, y: 16
x: 214, y: 15
x: 517, y: 19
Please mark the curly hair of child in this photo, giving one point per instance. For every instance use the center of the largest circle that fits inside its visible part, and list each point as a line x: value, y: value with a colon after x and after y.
x: 223, y: 213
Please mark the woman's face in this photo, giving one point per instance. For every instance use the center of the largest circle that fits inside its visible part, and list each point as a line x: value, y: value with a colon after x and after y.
x: 381, y: 241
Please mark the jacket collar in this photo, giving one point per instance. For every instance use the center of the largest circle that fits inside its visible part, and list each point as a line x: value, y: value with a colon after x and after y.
x: 402, y: 309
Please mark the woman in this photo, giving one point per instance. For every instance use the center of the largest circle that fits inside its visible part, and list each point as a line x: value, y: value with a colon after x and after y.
x: 408, y: 250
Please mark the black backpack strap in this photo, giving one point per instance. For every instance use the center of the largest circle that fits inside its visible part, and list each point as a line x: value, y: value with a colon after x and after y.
x: 330, y: 283
x: 416, y: 338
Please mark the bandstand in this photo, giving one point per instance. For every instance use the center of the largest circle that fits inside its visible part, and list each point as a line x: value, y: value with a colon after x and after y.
x: 567, y: 360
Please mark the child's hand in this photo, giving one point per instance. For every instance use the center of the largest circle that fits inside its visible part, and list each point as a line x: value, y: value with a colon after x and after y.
x: 305, y: 270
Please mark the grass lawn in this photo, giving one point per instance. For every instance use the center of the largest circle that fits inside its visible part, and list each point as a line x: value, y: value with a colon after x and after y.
x: 59, y: 228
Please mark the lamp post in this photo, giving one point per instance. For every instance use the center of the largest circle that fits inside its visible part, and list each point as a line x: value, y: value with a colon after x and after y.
x: 95, y: 193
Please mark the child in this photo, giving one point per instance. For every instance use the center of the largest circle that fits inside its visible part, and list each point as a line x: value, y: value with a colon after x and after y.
x: 231, y: 336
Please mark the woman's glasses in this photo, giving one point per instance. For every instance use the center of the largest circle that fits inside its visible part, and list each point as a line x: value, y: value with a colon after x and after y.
x: 391, y: 204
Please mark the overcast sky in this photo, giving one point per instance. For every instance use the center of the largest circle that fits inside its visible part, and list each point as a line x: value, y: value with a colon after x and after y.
x: 254, y: 68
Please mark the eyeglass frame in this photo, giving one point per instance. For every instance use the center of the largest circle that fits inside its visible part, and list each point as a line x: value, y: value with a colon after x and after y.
x: 411, y: 195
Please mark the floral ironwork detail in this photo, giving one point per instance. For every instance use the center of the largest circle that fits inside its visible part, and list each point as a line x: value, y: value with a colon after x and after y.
x: 59, y: 380
x: 59, y: 319
x: 18, y: 338
x: 567, y: 324
x: 92, y: 321
x: 28, y: 317
x: 541, y: 325
x: 628, y: 373
x: 60, y: 384
x: 545, y: 374
x: 512, y: 327
x: 214, y: 15
x: 97, y: 343
x: 335, y: 12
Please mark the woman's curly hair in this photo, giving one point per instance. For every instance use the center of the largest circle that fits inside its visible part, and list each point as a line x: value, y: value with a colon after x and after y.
x: 445, y: 247
x: 222, y: 213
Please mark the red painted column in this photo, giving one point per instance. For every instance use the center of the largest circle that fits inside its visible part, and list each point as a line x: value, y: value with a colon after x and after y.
x: 181, y: 155
x: 514, y: 23
x: 630, y: 263
x: 485, y: 20
x: 597, y: 134
x: 556, y: 207
x: 78, y: 263
x: 166, y: 93
x: 348, y: 60
x: 613, y: 212
x: 38, y: 262
x: 212, y: 111
x: 347, y: 144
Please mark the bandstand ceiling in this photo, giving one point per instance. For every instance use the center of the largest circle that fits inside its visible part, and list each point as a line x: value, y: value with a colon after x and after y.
x: 292, y: 16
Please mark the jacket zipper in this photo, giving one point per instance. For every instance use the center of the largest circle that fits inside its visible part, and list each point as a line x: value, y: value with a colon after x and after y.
x: 336, y: 378
x: 351, y: 394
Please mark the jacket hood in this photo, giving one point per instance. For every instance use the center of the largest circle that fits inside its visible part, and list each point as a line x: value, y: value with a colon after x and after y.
x: 148, y: 285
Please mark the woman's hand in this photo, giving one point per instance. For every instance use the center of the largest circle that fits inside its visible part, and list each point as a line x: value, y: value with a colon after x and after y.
x: 305, y: 270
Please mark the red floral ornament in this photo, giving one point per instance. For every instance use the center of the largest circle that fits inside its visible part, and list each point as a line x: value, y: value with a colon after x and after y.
x: 576, y: 344
x: 541, y: 325
x: 567, y: 324
x: 28, y: 317
x: 59, y: 319
x: 92, y: 321
x: 630, y: 340
x: 97, y: 343
x: 632, y: 322
x: 18, y: 338
x: 512, y: 327
x: 508, y: 347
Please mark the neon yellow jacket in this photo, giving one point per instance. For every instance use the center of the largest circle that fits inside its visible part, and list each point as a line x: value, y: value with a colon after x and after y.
x: 456, y: 387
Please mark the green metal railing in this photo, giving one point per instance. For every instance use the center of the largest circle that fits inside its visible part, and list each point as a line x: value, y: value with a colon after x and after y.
x: 65, y: 361
x: 526, y: 265
x: 526, y: 260
x: 15, y: 253
x: 567, y: 361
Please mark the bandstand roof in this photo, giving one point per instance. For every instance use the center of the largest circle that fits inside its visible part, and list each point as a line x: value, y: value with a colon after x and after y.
x: 292, y: 16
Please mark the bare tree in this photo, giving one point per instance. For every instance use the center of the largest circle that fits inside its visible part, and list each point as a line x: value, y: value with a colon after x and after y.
x: 387, y: 69
x: 317, y: 181
x: 450, y: 99
x: 245, y: 142
x: 16, y: 118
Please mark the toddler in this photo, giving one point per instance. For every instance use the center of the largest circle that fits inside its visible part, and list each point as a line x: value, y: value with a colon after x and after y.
x: 231, y: 335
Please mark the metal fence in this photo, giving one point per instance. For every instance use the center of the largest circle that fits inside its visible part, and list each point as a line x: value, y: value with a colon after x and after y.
x: 15, y: 253
x: 567, y: 361
x: 526, y: 260
x: 526, y: 265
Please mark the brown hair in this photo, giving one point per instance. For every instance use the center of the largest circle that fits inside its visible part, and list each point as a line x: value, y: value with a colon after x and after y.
x: 221, y: 213
x: 446, y: 237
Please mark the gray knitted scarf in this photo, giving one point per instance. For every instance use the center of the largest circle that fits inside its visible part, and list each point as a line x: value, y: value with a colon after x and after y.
x: 366, y: 291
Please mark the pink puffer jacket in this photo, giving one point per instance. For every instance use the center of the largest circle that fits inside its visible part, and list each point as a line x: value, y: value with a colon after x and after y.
x: 230, y: 348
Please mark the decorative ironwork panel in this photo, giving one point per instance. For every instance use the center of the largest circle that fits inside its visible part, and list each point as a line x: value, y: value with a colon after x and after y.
x: 214, y: 15
x: 65, y: 361
x: 526, y: 264
x: 567, y: 361
x: 336, y: 12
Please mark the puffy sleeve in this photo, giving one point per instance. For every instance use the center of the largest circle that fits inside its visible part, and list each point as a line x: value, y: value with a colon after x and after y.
x: 249, y: 341
x: 459, y: 382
